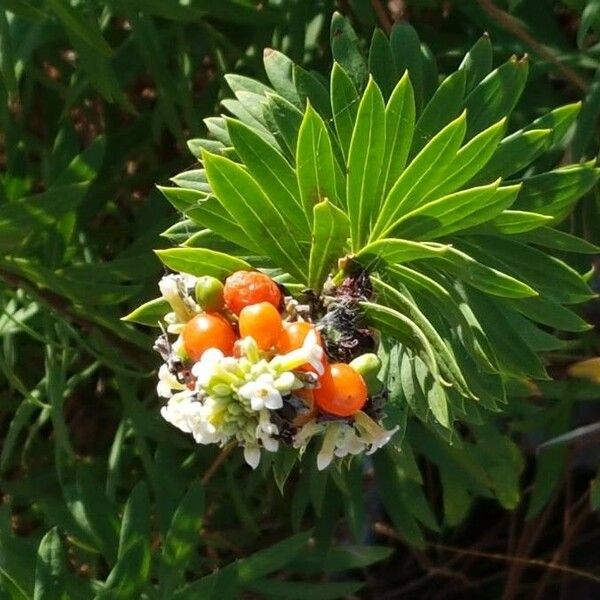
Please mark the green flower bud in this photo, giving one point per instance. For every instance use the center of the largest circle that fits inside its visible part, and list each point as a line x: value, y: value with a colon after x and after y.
x: 209, y: 293
x: 368, y: 365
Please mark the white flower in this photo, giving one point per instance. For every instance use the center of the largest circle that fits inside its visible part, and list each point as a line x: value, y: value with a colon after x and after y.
x: 325, y: 456
x: 173, y: 290
x: 252, y: 455
x: 348, y: 442
x: 262, y: 393
x: 305, y: 433
x: 182, y: 412
x: 167, y: 382
x: 205, y: 369
x: 309, y: 353
x: 371, y: 433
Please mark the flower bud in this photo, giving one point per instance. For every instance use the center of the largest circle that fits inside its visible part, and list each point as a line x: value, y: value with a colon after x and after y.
x: 368, y: 365
x: 209, y: 293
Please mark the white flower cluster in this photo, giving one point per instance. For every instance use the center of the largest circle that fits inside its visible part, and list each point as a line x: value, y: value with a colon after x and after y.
x: 227, y: 398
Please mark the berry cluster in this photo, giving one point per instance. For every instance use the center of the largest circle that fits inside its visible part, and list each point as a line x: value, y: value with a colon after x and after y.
x: 250, y: 364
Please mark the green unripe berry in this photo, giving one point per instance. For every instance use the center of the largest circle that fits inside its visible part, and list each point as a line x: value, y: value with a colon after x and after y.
x: 209, y: 293
x: 368, y: 365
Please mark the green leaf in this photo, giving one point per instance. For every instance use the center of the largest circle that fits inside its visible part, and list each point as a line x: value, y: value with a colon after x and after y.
x: 510, y: 222
x: 287, y: 120
x: 403, y: 329
x: 558, y: 120
x: 456, y: 211
x: 132, y: 569
x: 548, y: 237
x: 440, y: 110
x: 398, y: 251
x: 496, y: 96
x: 482, y: 277
x: 272, y: 173
x: 331, y: 229
x: 271, y: 559
x: 550, y: 276
x: 212, y: 214
x: 254, y: 212
x: 470, y: 159
x: 423, y: 174
x: 514, y: 153
x: 399, y: 128
x: 339, y: 558
x: 554, y: 193
x: 397, y: 299
x: 406, y: 48
x: 85, y: 30
x: 364, y: 163
x: 344, y: 104
x: 182, y: 538
x: 310, y: 89
x: 477, y: 62
x: 50, y: 568
x: 200, y: 261
x: 315, y: 164
x: 345, y: 47
x: 389, y: 488
x: 279, y: 69
x: 381, y: 63
x: 194, y: 179
x: 551, y: 313
x: 182, y: 198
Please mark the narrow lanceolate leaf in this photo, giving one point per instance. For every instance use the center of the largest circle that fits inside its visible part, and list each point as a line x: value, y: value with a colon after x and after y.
x: 315, y: 163
x: 331, y: 230
x: 470, y: 159
x: 364, y: 163
x: 150, y: 313
x: 395, y: 251
x: 182, y: 538
x: 558, y: 240
x: 272, y: 173
x: 482, y: 277
x: 446, y: 359
x: 200, y: 261
x: 552, y: 277
x: 422, y: 175
x: 549, y: 312
x: 212, y: 214
x: 477, y: 62
x: 286, y: 118
x: 344, y: 104
x: 554, y: 193
x: 310, y: 89
x: 510, y: 222
x: 440, y: 110
x: 457, y: 211
x: 345, y: 47
x: 406, y: 48
x: 558, y: 120
x: 399, y: 128
x: 255, y: 213
x: 514, y: 153
x: 49, y: 568
x: 402, y: 328
x: 279, y: 70
x: 496, y: 96
x: 381, y: 63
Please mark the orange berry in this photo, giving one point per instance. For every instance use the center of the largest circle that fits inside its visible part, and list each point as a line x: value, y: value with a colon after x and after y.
x: 341, y: 392
x: 261, y: 322
x: 250, y: 287
x: 206, y: 331
x: 292, y: 337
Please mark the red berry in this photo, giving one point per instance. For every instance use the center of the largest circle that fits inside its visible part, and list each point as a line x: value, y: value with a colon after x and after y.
x: 250, y: 287
x: 206, y: 331
x: 262, y: 322
x: 341, y: 392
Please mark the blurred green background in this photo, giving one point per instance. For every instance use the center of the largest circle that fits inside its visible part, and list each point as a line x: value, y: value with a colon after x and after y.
x: 100, y: 498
